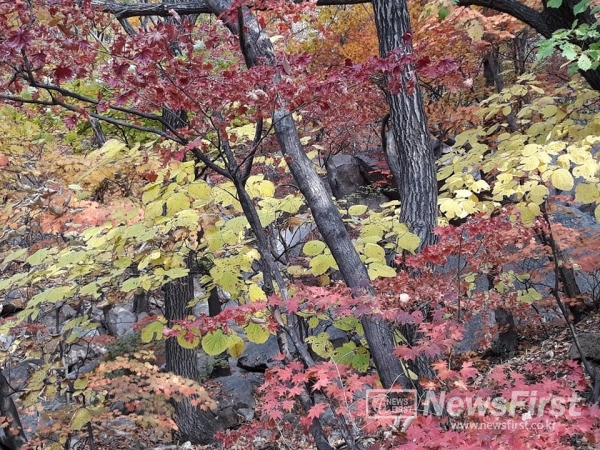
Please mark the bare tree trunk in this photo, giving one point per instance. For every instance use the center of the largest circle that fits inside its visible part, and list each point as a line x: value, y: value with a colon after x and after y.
x: 195, y: 425
x: 12, y: 437
x: 416, y: 181
x: 493, y: 76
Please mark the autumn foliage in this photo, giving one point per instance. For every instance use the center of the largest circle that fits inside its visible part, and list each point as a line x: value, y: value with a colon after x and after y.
x: 127, y: 146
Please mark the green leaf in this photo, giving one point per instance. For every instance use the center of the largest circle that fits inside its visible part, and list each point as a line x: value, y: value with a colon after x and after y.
x: 152, y: 331
x: 584, y: 62
x: 215, y: 342
x: 255, y: 333
x: 80, y: 384
x: 346, y: 323
x: 130, y: 284
x: 581, y: 7
x: 443, y: 13
x: 52, y: 295
x: 529, y: 296
x: 175, y: 273
x: 554, y: 3
x: 321, y: 345
x: 569, y: 51
x: 290, y: 204
x: 374, y: 251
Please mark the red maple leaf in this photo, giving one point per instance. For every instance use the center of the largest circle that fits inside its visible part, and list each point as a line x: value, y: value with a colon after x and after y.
x: 62, y: 74
x: 316, y: 411
x: 20, y: 39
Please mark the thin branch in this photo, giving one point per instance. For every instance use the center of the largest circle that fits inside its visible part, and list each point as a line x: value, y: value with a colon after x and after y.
x: 107, y: 119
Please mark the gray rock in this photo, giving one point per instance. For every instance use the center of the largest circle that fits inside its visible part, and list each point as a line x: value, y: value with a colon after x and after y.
x: 121, y: 321
x: 590, y: 346
x: 236, y: 400
x: 259, y: 357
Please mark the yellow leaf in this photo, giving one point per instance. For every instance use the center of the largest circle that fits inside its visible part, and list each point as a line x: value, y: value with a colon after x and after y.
x: 81, y: 418
x: 357, y: 210
x: 445, y: 172
x: 255, y: 333
x: 313, y: 248
x: 587, y: 170
x: 258, y: 187
x: 374, y: 251
x: 256, y: 293
x: 549, y: 111
x: 408, y: 241
x: 235, y: 346
x: 215, y: 342
x: 538, y: 194
x: 177, y: 202
x: 529, y: 163
x: 200, y: 190
x: 378, y: 270
x: 474, y: 30
x: 450, y: 208
x: 587, y: 193
x: 563, y: 161
x: 153, y: 210
x: 463, y: 193
x: 597, y: 213
x: 562, y: 179
x: 321, y: 264
x: 555, y: 147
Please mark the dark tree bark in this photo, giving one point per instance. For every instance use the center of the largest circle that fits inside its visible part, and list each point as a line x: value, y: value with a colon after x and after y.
x: 195, y: 425
x: 492, y: 70
x: 12, y: 437
x: 416, y: 181
x: 545, y: 22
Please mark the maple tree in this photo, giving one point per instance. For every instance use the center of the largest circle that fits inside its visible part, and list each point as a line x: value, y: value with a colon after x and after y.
x: 144, y: 215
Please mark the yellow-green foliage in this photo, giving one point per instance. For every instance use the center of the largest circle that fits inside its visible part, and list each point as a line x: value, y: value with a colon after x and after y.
x: 553, y: 150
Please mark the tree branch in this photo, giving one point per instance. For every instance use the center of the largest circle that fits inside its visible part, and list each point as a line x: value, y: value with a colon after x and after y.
x: 124, y: 11
x: 515, y: 9
x: 67, y: 106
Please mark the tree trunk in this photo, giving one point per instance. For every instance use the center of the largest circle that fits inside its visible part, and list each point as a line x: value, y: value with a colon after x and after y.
x: 492, y: 70
x: 416, y: 181
x: 12, y: 437
x: 195, y: 424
